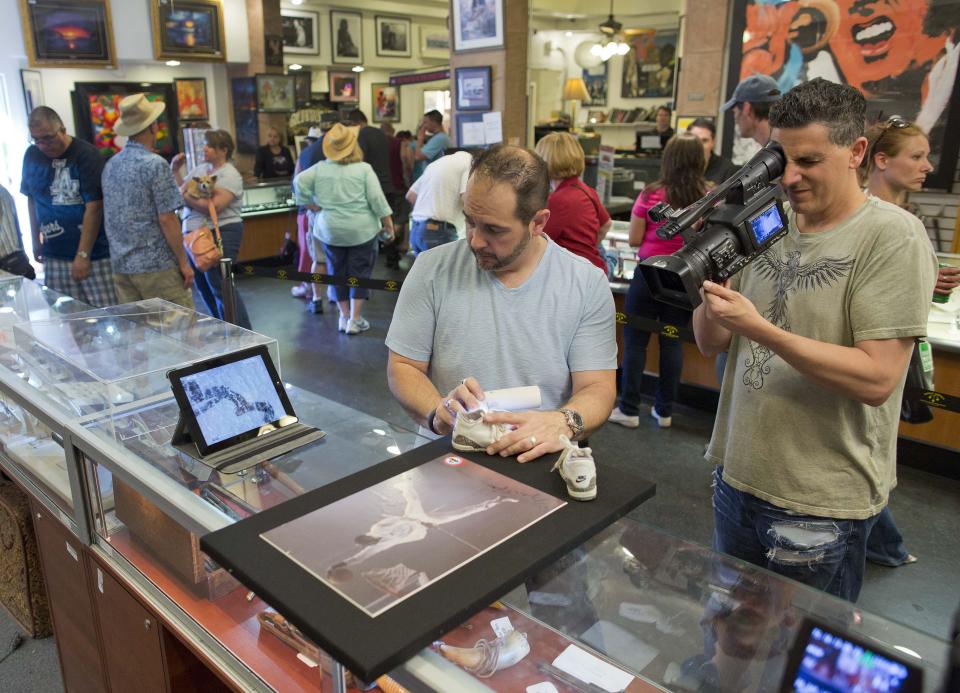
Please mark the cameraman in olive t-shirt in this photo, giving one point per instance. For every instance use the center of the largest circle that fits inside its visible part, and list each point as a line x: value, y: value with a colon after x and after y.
x: 820, y: 330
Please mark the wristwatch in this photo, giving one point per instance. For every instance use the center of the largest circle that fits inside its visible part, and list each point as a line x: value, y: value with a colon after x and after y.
x: 84, y: 254
x: 574, y: 421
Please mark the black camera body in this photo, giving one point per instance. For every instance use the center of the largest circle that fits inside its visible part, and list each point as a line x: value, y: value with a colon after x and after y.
x: 732, y: 233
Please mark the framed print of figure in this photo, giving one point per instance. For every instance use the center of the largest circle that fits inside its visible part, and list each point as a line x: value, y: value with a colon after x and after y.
x: 393, y: 37
x: 346, y: 36
x: 344, y: 87
x: 191, y: 99
x: 386, y: 103
x: 276, y: 94
x: 477, y: 24
x: 301, y: 31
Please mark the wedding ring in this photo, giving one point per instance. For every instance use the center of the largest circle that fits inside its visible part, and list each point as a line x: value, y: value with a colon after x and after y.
x: 447, y: 404
x: 533, y: 440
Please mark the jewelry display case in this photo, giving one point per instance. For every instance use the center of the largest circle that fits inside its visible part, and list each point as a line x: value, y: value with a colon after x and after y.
x: 641, y: 610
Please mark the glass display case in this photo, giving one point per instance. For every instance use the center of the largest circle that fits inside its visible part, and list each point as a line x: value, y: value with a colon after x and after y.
x: 637, y: 608
x: 267, y: 197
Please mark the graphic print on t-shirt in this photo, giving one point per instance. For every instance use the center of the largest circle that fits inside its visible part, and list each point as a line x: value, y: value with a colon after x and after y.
x: 64, y: 190
x: 789, y: 275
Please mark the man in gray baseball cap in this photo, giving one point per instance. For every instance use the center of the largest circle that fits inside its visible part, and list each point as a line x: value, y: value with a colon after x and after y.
x: 751, y: 102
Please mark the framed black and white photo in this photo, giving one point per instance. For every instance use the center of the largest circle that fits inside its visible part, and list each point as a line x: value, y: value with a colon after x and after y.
x: 346, y: 32
x: 393, y: 37
x: 32, y: 89
x: 273, y: 50
x: 434, y: 42
x: 474, y: 92
x: 301, y: 31
x: 477, y: 24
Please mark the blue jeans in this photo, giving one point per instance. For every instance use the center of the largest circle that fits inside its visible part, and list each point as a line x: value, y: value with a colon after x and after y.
x: 429, y: 233
x: 821, y: 552
x: 640, y: 301
x: 208, y: 283
x: 885, y: 543
x: 351, y: 261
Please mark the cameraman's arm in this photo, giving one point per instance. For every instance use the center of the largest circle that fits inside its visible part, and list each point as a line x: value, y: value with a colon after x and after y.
x: 712, y: 337
x: 868, y: 372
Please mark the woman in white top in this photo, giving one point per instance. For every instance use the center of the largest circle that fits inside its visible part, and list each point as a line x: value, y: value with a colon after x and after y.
x: 227, y: 198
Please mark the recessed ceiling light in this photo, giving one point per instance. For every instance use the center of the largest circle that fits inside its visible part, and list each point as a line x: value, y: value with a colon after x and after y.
x: 568, y: 34
x: 172, y: 63
x: 358, y: 68
x: 296, y: 2
x: 295, y: 66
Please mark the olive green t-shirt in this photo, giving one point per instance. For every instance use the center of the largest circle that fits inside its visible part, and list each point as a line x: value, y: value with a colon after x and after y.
x: 781, y: 436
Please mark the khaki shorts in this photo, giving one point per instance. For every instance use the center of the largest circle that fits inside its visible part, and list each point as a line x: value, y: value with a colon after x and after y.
x: 166, y: 284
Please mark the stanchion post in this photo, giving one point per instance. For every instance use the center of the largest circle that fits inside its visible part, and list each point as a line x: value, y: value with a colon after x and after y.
x: 339, y: 675
x: 229, y: 290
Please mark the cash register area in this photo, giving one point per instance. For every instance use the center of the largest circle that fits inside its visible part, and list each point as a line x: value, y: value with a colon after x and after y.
x: 641, y: 594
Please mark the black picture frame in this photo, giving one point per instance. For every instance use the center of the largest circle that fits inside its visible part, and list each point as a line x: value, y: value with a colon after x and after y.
x: 95, y: 105
x: 244, y: 97
x: 344, y: 86
x: 473, y: 87
x: 346, y: 37
x: 301, y: 31
x: 302, y: 81
x: 273, y: 50
x: 394, y: 36
x: 902, y: 90
x: 463, y: 119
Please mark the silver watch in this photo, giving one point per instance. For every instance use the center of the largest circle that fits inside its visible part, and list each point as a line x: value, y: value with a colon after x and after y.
x: 574, y: 421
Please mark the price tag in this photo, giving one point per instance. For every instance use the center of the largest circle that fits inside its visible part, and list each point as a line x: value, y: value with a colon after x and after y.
x: 544, y: 687
x: 501, y: 626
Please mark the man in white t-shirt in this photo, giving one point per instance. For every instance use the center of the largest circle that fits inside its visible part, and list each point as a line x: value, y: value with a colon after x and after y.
x: 437, y: 206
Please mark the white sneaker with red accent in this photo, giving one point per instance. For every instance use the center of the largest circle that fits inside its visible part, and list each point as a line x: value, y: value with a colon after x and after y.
x: 578, y: 470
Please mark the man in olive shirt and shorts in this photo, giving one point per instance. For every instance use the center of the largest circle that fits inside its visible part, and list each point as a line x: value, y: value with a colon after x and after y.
x: 820, y: 330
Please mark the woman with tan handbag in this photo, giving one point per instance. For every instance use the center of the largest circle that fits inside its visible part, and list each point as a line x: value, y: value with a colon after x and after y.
x: 213, y: 194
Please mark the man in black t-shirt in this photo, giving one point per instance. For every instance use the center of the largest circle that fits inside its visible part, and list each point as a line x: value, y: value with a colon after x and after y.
x: 718, y: 168
x: 376, y: 151
x: 61, y: 179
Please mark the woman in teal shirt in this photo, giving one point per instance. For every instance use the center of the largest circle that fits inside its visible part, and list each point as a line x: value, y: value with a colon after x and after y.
x: 351, y: 211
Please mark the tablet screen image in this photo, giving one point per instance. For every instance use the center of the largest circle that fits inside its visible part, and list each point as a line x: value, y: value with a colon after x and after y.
x: 233, y: 398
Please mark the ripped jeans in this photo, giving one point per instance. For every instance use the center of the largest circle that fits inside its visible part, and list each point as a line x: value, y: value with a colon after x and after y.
x: 820, y: 552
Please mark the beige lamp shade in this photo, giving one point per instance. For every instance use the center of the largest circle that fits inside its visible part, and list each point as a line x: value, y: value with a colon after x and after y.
x: 575, y: 90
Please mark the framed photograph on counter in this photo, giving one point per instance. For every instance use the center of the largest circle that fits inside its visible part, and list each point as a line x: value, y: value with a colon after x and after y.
x: 477, y: 26
x: 96, y: 108
x: 344, y: 87
x: 301, y: 31
x: 191, y: 98
x: 188, y: 30
x: 393, y: 37
x: 386, y: 103
x: 346, y: 36
x: 68, y: 34
x: 474, y: 92
x: 276, y: 94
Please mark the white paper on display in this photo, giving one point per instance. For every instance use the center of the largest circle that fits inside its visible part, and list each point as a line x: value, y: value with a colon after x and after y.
x: 543, y: 687
x: 501, y: 626
x: 493, y: 127
x: 586, y: 667
x: 473, y: 135
x: 513, y: 398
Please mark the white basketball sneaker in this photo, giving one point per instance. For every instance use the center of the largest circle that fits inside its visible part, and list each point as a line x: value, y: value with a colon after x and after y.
x: 578, y: 470
x: 472, y: 434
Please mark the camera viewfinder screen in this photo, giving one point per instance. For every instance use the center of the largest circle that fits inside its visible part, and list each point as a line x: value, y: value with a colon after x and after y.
x: 766, y: 224
x: 831, y: 664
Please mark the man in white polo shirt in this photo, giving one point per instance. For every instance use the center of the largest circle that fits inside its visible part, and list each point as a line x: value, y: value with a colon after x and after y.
x: 437, y: 207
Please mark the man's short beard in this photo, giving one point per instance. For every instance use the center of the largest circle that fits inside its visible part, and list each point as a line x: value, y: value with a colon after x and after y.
x: 505, y: 263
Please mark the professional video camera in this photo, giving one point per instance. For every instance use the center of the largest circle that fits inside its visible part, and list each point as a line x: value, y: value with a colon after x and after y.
x: 733, y: 232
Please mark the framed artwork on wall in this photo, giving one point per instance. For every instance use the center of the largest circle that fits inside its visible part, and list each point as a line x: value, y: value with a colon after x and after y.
x: 301, y: 31
x: 393, y: 37
x: 906, y: 67
x: 244, y: 93
x: 474, y: 91
x: 302, y: 81
x: 346, y: 37
x: 649, y: 67
x: 96, y: 108
x: 191, y: 98
x: 68, y: 34
x: 595, y: 79
x: 188, y: 30
x: 386, y: 103
x: 477, y: 26
x: 32, y: 89
x: 344, y: 87
x: 434, y: 42
x: 273, y: 50
x: 276, y: 94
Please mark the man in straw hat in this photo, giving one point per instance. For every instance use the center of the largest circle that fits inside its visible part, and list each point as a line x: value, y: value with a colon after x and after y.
x: 140, y: 202
x: 61, y: 179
